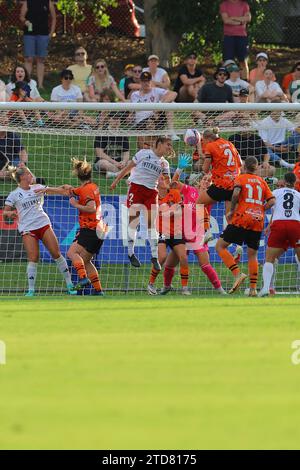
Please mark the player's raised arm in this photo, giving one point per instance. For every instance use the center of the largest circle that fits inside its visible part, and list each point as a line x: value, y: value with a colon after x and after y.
x: 130, y: 165
x: 63, y: 190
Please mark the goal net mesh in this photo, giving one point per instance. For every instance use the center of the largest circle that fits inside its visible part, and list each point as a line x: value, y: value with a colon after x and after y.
x: 51, y: 137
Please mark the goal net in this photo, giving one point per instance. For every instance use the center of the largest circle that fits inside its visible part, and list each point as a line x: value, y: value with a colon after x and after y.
x: 48, y: 135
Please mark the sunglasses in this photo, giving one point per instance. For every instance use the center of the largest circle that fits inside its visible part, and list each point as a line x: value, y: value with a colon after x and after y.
x: 222, y: 73
x: 80, y: 53
x: 100, y: 67
x: 137, y: 70
x: 68, y: 77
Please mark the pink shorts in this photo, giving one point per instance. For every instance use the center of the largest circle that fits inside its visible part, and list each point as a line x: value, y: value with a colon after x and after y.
x: 38, y: 233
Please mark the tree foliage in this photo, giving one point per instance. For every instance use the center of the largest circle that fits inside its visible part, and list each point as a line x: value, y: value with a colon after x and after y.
x: 198, y: 22
x: 76, y: 10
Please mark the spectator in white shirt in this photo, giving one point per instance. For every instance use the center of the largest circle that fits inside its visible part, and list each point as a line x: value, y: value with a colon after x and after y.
x: 273, y: 131
x: 268, y: 91
x: 160, y: 78
x: 150, y: 94
x: 68, y: 93
x: 236, y: 83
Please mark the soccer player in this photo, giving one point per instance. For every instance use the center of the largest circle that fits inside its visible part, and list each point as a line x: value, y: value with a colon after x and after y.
x: 284, y: 228
x: 146, y: 168
x: 199, y: 221
x: 87, y: 242
x: 34, y: 224
x: 170, y: 235
x: 251, y: 198
x: 223, y: 159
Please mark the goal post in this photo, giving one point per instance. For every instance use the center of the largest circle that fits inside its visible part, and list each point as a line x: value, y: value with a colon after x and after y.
x: 48, y: 135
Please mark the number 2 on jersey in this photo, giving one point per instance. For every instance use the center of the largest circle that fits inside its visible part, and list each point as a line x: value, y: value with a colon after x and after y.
x: 230, y: 161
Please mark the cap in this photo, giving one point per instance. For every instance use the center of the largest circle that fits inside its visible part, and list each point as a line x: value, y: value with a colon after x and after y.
x: 128, y: 66
x: 229, y: 62
x: 232, y: 68
x: 220, y: 70
x: 146, y: 76
x: 244, y: 92
x: 263, y: 55
x: 153, y: 56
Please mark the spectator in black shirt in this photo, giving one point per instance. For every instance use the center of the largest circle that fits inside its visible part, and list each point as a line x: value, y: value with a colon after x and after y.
x: 12, y: 151
x: 34, y: 15
x: 133, y: 83
x: 250, y: 144
x: 217, y: 92
x: 190, y: 79
x: 112, y: 152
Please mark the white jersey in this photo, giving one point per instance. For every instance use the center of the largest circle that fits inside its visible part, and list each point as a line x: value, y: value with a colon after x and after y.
x: 287, y: 205
x: 154, y: 96
x: 148, y: 169
x: 29, y: 205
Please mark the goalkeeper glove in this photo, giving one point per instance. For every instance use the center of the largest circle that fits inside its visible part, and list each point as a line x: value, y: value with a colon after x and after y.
x: 184, y: 161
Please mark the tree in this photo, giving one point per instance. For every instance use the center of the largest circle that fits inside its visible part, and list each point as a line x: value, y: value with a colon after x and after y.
x: 196, y: 24
x: 76, y: 10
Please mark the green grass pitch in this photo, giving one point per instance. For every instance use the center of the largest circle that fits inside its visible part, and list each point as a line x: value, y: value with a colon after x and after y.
x: 149, y: 373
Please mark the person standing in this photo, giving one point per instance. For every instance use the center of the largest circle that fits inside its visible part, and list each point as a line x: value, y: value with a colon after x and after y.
x: 35, y: 15
x: 235, y: 16
x: 26, y: 205
x: 284, y: 228
x: 251, y: 198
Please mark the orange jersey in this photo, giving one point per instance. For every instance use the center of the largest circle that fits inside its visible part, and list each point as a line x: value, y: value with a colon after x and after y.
x: 86, y: 193
x: 250, y: 212
x: 225, y: 162
x: 166, y: 220
x: 296, y: 170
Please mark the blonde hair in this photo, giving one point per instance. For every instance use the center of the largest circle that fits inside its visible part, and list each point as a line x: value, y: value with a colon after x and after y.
x: 16, y: 172
x: 211, y: 133
x: 82, y: 169
x: 100, y: 85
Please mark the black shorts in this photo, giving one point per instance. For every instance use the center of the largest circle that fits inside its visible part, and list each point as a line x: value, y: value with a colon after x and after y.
x: 240, y: 235
x: 219, y: 194
x: 171, y: 242
x: 87, y: 238
x: 235, y: 47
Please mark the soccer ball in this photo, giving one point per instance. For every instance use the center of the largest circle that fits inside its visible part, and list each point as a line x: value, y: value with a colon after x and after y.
x: 192, y: 137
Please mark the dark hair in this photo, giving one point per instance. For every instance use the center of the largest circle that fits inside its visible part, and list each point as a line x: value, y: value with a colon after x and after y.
x: 13, y: 78
x: 295, y: 66
x: 66, y: 72
x: 251, y: 163
x: 162, y: 140
x: 290, y: 178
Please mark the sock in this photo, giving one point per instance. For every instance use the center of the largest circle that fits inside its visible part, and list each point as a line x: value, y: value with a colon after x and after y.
x: 62, y: 266
x: 79, y: 266
x: 285, y: 164
x: 153, y: 276
x: 229, y: 261
x: 184, y: 274
x: 212, y: 275
x: 168, y: 276
x: 268, y: 270
x: 95, y: 281
x: 131, y: 241
x: 253, y: 272
x: 153, y: 240
x: 31, y: 274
